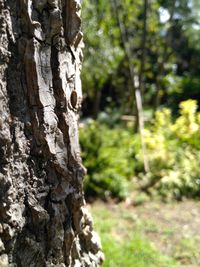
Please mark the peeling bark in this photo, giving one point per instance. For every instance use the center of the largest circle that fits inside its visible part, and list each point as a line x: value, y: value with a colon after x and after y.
x: 43, y: 219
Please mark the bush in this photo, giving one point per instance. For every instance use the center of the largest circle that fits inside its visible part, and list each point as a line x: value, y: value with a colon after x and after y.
x: 173, y: 153
x: 108, y: 157
x: 113, y: 155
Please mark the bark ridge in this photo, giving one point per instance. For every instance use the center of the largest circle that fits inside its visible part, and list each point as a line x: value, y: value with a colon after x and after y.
x: 43, y: 219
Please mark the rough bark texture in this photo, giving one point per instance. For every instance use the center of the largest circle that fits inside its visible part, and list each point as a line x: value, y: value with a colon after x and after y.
x: 43, y: 219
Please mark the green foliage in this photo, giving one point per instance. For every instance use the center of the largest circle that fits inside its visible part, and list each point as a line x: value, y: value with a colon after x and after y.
x: 172, y: 52
x: 173, y: 153
x: 102, y: 53
x: 108, y: 156
x: 113, y: 156
x: 181, y: 88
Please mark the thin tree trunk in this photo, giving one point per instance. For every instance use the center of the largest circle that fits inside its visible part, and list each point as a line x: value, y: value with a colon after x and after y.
x: 43, y: 219
x: 135, y: 84
x: 143, y: 49
x: 165, y: 56
x: 141, y: 84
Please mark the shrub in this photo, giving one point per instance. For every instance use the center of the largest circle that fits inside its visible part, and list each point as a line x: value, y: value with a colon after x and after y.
x: 108, y: 156
x: 113, y: 155
x: 173, y: 153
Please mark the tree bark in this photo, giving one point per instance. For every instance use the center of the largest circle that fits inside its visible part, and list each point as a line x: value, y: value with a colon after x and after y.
x: 43, y: 218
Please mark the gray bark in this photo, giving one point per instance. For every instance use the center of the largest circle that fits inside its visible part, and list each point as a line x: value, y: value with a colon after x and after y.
x: 43, y: 218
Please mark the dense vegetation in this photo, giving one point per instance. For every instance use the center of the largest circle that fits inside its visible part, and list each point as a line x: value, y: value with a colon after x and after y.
x: 141, y: 84
x: 114, y: 160
x: 158, y: 39
x: 140, y: 129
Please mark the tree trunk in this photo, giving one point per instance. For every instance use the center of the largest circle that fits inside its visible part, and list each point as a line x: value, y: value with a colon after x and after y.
x: 43, y: 219
x: 134, y: 82
x: 165, y: 56
x: 143, y: 49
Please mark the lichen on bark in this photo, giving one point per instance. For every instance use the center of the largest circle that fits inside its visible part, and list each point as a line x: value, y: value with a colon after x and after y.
x: 43, y: 219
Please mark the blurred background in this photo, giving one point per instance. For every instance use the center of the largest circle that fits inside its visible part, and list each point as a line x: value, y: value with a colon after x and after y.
x: 140, y: 129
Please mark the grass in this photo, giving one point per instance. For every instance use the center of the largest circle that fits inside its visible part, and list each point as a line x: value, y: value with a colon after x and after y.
x: 124, y: 241
x: 188, y: 251
x: 135, y: 251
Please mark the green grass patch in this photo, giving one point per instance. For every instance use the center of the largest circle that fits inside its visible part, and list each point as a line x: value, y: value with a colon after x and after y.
x: 123, y: 245
x: 188, y: 251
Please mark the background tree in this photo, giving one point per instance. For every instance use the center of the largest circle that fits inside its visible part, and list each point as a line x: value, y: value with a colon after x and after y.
x: 159, y: 59
x: 43, y: 221
x: 171, y: 60
x: 102, y: 53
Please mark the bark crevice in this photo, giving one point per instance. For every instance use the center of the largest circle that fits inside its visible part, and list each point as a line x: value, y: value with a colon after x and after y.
x: 43, y: 219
